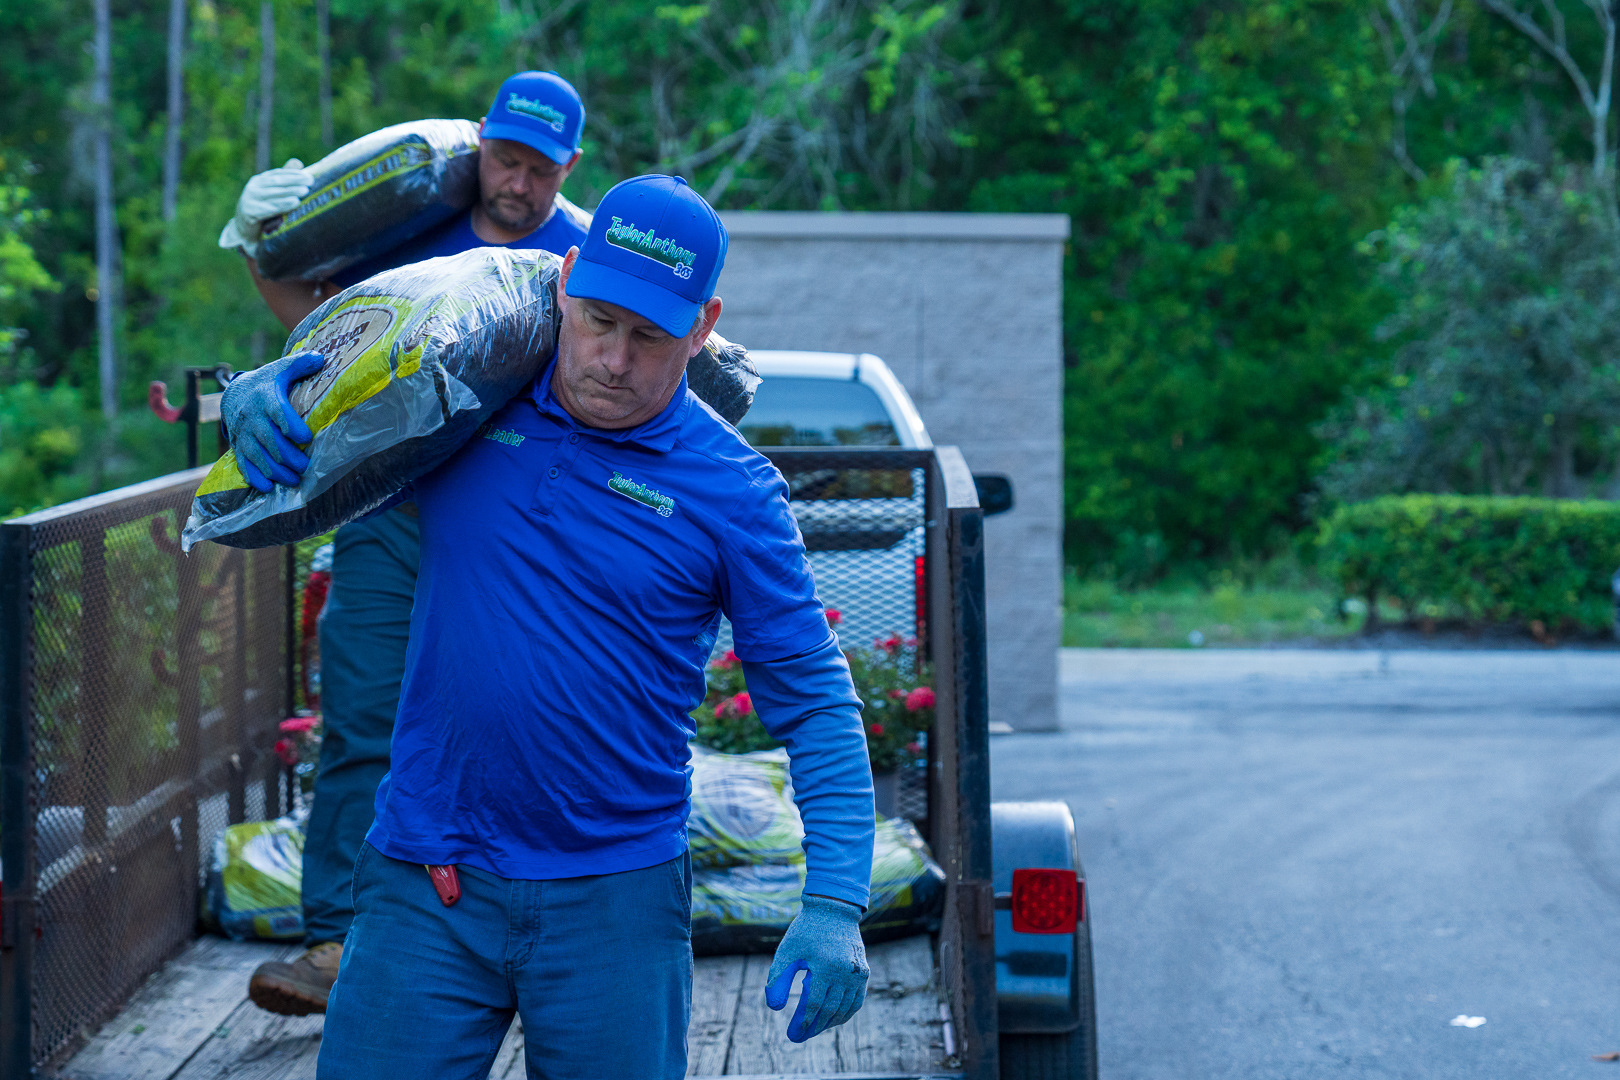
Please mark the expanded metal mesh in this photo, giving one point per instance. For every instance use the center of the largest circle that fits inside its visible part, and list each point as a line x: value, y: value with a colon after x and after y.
x: 153, y: 686
x: 864, y: 531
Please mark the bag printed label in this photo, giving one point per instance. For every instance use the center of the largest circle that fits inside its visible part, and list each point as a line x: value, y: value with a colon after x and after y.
x: 383, y: 167
x: 342, y: 340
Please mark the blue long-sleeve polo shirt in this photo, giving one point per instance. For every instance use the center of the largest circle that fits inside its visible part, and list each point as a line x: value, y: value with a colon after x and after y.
x: 572, y: 582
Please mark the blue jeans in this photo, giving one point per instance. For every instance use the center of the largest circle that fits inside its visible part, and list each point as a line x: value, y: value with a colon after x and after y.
x: 363, y: 636
x: 598, y: 968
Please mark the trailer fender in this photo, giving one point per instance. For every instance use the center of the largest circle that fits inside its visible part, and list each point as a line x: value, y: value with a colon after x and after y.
x: 1037, y: 974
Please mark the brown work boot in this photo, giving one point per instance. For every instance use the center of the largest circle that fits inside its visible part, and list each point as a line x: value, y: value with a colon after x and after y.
x: 298, y: 988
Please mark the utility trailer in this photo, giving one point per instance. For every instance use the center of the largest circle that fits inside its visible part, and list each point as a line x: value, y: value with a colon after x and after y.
x: 141, y: 691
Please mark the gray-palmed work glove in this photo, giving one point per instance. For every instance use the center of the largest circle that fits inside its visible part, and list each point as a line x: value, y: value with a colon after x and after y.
x: 825, y: 943
x: 272, y: 192
x: 263, y: 427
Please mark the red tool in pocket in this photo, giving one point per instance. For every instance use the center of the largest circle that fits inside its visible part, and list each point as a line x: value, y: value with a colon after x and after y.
x: 445, y: 883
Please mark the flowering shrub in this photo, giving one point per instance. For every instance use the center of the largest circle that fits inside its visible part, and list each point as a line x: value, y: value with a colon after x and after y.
x: 897, y: 703
x: 299, y: 747
x: 726, y: 720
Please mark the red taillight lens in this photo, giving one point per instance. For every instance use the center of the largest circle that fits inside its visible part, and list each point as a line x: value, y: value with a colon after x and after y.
x: 1046, y: 901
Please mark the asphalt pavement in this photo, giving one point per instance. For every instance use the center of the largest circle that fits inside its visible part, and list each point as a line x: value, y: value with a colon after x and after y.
x: 1308, y: 863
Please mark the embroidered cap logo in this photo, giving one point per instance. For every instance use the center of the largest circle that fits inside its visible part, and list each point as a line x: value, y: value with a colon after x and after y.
x: 537, y: 109
x: 658, y: 249
x: 642, y: 494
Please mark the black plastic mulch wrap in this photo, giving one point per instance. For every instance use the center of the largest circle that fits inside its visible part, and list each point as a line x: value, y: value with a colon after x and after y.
x: 748, y: 864
x: 417, y: 358
x: 372, y: 195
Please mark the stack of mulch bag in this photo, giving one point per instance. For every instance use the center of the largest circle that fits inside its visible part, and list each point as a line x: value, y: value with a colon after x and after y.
x: 748, y: 862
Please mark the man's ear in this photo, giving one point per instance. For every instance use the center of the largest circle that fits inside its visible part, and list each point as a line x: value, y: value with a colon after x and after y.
x: 568, y: 168
x: 705, y: 324
x: 567, y: 268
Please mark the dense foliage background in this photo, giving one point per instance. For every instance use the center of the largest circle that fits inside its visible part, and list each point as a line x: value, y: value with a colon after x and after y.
x: 1239, y: 174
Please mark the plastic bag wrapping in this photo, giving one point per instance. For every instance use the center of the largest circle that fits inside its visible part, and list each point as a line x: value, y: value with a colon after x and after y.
x: 255, y: 882
x: 742, y: 810
x: 417, y: 358
x: 724, y: 377
x: 748, y: 861
x: 372, y: 195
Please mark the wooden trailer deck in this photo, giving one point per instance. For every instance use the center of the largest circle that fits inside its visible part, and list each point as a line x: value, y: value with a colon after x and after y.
x: 192, y: 1021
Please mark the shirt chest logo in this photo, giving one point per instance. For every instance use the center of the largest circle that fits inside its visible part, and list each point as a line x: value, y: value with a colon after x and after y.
x: 501, y: 435
x: 641, y: 493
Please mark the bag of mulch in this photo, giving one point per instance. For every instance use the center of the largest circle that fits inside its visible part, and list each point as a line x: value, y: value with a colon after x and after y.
x: 255, y: 882
x: 372, y: 195
x: 746, y: 837
x: 417, y: 358
x: 742, y: 810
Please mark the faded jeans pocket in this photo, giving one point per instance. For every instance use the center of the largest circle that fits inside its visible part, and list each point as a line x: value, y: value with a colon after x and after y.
x: 359, y: 866
x: 680, y: 871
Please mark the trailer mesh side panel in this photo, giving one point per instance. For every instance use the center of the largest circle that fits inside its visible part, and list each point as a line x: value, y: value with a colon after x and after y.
x: 151, y: 685
x: 864, y: 530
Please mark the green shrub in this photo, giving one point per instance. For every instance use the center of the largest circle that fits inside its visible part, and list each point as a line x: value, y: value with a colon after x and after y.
x: 1484, y: 558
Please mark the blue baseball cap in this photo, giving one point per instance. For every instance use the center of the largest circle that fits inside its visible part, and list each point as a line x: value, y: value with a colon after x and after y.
x: 539, y: 109
x: 656, y: 248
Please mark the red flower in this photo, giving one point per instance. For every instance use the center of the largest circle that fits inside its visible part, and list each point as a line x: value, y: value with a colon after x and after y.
x: 920, y: 698
x: 735, y: 708
x: 726, y: 662
x: 834, y: 616
x: 876, y: 729
x: 914, y: 748
x: 300, y: 724
x: 890, y: 644
x: 897, y: 694
x: 287, y: 752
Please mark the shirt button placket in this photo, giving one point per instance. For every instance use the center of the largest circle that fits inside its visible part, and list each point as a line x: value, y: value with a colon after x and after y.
x: 562, y: 463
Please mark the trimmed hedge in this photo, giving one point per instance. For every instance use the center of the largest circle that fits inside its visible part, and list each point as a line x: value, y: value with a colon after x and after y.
x: 1502, y: 560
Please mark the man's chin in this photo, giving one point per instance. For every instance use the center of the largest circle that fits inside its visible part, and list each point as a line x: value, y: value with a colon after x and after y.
x: 609, y: 410
x: 515, y: 224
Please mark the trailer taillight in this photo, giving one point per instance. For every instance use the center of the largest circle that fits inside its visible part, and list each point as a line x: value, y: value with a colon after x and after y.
x: 1047, y: 901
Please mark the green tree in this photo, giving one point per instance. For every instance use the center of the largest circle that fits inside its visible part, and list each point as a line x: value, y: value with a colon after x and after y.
x: 1219, y: 164
x: 1507, y: 376
x: 21, y: 275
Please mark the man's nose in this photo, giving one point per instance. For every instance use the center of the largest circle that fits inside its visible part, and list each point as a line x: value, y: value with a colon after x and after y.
x: 521, y: 182
x: 616, y: 356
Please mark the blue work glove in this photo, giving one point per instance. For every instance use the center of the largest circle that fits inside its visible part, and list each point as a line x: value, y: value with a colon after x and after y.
x: 825, y: 943
x: 262, y: 424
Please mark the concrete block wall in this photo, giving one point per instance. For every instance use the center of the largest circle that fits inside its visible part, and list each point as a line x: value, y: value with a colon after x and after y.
x: 967, y: 311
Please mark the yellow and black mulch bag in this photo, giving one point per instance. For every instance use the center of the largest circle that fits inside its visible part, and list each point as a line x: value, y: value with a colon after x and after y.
x: 417, y: 358
x: 748, y: 867
x: 255, y: 882
x: 372, y: 195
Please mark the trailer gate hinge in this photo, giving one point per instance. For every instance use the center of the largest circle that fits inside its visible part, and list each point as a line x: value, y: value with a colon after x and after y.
x: 984, y: 906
